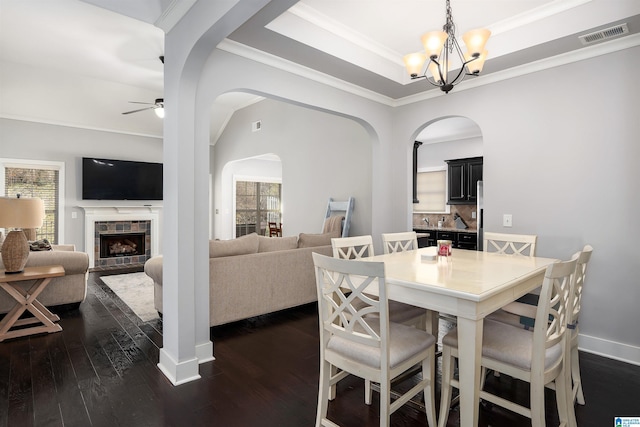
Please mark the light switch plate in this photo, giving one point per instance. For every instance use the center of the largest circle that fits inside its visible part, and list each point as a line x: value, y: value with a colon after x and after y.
x: 507, y: 220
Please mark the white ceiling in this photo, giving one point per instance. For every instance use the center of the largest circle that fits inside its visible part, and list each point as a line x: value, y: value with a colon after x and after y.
x: 88, y: 59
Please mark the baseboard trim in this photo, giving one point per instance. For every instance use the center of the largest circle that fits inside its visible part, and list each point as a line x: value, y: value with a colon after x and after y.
x: 610, y: 349
x: 178, y: 372
x: 204, y: 352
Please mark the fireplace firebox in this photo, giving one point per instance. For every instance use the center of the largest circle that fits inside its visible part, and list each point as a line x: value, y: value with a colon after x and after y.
x: 121, y: 245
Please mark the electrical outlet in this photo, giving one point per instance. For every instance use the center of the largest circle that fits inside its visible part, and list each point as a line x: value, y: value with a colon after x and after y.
x: 473, y: 215
x: 507, y: 220
x: 74, y: 215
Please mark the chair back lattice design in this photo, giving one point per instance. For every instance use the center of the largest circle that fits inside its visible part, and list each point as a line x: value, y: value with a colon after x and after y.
x: 512, y: 244
x: 581, y: 273
x: 345, y: 310
x: 553, y: 309
x: 399, y: 242
x: 352, y: 247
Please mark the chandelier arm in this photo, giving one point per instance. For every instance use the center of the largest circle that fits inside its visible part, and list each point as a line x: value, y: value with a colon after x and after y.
x: 457, y: 79
x: 425, y: 73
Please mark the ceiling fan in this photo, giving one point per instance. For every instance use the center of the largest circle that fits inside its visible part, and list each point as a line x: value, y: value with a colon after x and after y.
x: 157, y: 107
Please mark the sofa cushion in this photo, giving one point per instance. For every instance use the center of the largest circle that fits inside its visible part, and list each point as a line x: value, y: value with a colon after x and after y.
x: 242, y: 245
x: 270, y: 244
x: 312, y: 240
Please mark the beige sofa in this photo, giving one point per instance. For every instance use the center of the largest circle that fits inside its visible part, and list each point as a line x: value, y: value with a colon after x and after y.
x: 254, y: 275
x: 69, y: 290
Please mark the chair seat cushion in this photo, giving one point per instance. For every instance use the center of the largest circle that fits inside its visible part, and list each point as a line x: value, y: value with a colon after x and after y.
x: 508, y: 344
x: 404, y: 343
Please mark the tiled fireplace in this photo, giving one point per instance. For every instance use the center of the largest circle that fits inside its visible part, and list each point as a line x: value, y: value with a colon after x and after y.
x: 121, y: 236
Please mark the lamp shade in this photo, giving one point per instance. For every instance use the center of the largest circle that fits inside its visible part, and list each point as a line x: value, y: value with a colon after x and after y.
x: 159, y: 112
x: 433, y: 42
x: 21, y: 212
x: 414, y: 62
x: 475, y: 40
x: 475, y: 66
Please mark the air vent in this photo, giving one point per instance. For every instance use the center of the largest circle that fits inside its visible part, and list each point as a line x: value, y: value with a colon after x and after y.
x: 603, y: 35
x: 256, y: 126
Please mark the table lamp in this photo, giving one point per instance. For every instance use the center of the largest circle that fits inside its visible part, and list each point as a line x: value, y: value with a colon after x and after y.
x: 19, y: 213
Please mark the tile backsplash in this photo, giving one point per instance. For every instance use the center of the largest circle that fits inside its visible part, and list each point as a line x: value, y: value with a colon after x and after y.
x: 463, y: 210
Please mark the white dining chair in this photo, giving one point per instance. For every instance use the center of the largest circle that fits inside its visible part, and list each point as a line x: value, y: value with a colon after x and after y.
x: 399, y: 242
x: 358, y: 247
x: 514, y: 313
x: 512, y: 244
x: 539, y: 357
x: 359, y: 339
x: 576, y: 304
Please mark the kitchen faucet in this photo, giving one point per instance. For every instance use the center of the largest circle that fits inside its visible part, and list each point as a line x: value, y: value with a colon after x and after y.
x: 426, y: 220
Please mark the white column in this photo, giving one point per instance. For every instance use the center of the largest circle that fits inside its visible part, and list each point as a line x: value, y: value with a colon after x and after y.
x: 186, y: 340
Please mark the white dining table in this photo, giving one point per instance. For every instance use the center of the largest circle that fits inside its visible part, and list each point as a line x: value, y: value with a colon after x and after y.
x: 469, y: 285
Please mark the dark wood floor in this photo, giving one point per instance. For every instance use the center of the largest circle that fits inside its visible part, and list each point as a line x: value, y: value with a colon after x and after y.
x: 101, y: 371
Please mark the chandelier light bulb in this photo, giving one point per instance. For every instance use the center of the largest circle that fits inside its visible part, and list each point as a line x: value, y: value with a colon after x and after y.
x: 159, y: 112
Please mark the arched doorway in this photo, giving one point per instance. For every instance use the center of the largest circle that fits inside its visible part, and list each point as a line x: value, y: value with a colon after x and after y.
x: 441, y: 140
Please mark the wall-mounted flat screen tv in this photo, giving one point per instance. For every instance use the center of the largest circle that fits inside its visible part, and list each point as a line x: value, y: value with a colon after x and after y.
x: 108, y: 179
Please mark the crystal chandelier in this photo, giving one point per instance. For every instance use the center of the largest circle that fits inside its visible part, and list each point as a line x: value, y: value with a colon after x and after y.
x: 439, y: 47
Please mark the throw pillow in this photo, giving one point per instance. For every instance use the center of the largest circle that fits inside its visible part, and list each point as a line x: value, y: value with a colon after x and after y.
x: 40, y: 245
x: 270, y: 244
x: 311, y: 240
x: 242, y: 245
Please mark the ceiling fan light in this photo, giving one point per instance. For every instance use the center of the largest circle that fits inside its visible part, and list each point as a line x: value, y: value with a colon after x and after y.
x: 433, y: 42
x: 475, y: 66
x: 475, y: 40
x: 414, y: 63
x: 159, y: 112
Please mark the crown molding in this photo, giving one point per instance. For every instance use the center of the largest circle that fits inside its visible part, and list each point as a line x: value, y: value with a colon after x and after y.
x: 543, y: 64
x: 300, y: 70
x: 75, y: 125
x: 173, y: 14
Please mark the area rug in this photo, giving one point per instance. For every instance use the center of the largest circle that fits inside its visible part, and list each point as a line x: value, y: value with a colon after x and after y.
x: 135, y: 290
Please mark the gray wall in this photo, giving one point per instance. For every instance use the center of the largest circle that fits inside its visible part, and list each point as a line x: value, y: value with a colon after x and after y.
x: 560, y: 155
x: 435, y: 155
x: 38, y: 141
x: 322, y: 156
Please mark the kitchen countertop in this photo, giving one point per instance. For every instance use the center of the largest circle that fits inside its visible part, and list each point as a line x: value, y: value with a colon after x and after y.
x: 459, y: 230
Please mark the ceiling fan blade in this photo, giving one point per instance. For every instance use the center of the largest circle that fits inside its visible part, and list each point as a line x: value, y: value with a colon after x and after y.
x: 141, y: 109
x: 138, y: 102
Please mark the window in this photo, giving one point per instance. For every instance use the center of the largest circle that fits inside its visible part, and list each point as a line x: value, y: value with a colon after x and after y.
x: 257, y: 204
x: 431, y: 192
x: 32, y: 178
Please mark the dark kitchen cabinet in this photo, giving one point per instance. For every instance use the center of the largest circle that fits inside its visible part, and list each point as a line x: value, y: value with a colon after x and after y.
x: 464, y: 175
x: 459, y: 239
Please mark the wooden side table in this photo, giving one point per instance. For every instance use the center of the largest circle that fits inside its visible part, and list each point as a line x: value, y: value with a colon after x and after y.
x: 27, y: 300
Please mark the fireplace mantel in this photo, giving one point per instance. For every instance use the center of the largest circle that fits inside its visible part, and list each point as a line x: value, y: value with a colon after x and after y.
x: 93, y: 214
